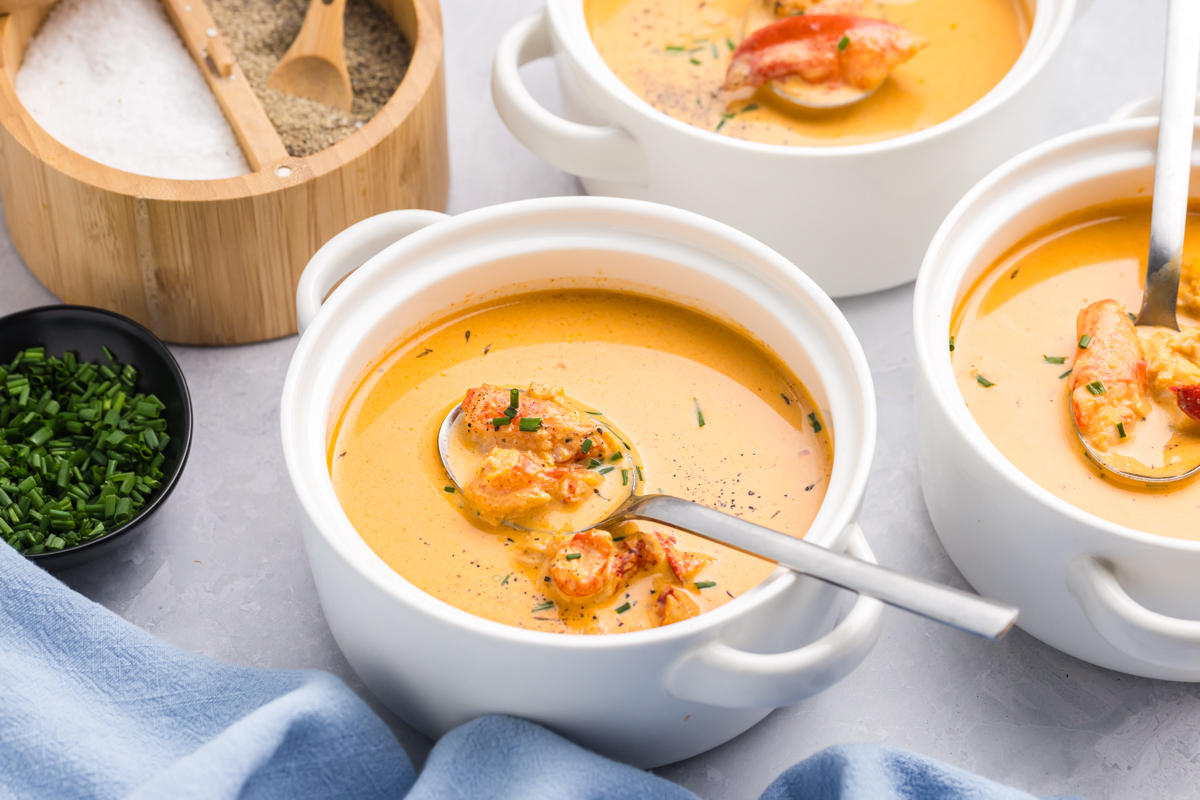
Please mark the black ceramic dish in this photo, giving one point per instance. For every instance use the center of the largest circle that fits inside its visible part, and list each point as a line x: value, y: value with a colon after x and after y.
x: 84, y: 331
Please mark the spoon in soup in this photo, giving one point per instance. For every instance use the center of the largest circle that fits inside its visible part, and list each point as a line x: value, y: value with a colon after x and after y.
x: 819, y: 56
x: 1168, y: 219
x: 963, y: 610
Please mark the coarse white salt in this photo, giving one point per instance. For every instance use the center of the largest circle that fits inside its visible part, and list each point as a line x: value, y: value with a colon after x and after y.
x: 111, y: 80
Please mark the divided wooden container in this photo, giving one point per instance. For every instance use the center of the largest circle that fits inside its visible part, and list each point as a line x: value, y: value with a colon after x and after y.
x: 217, y: 261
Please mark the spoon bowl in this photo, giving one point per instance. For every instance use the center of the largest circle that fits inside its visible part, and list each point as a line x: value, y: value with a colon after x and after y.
x: 963, y: 610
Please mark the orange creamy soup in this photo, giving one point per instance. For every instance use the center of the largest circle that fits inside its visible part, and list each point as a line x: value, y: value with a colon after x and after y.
x: 656, y: 370
x: 676, y: 55
x: 1021, y: 342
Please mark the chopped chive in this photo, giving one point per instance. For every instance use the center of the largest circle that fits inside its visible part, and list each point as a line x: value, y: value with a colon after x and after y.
x: 1131, y: 315
x: 715, y: 52
x: 543, y: 606
x: 586, y: 446
x: 699, y: 413
x: 1121, y: 429
x: 1097, y: 388
x: 749, y: 108
x: 816, y: 423
x: 720, y: 125
x: 501, y: 421
x: 1084, y: 341
x: 984, y: 382
x: 1065, y: 374
x: 624, y: 477
x: 593, y: 463
x: 695, y: 61
x: 705, y: 584
x: 606, y: 470
x: 596, y: 413
x: 1054, y: 359
x: 108, y: 353
x: 623, y: 608
x: 514, y: 398
x: 951, y: 344
x: 844, y: 43
x: 424, y: 353
x: 574, y: 556
x: 449, y: 489
x: 619, y: 538
x: 529, y: 424
x: 639, y: 472
x: 505, y: 581
x: 615, y: 457
x: 673, y: 48
x: 730, y: 45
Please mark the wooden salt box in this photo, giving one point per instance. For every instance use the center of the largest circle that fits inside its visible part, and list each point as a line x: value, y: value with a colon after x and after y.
x: 216, y: 261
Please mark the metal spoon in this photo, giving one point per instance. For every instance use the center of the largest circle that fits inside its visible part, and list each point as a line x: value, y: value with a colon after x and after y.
x: 949, y: 606
x: 1168, y: 215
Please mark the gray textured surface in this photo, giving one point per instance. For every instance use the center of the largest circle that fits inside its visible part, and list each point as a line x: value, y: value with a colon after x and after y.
x: 222, y: 571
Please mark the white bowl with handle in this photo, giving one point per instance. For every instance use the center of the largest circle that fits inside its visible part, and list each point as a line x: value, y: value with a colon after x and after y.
x: 648, y: 697
x: 1102, y: 592
x: 856, y: 219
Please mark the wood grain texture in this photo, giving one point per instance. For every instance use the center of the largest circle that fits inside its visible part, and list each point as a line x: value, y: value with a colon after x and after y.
x: 215, y: 262
x: 258, y: 138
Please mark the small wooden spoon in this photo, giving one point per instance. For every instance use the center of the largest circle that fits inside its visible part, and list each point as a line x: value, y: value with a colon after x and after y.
x: 315, y: 65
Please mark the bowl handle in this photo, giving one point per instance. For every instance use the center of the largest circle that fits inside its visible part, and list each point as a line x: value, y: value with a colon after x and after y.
x: 602, y: 152
x: 1126, y: 624
x: 1143, y: 107
x: 719, y: 675
x: 349, y: 250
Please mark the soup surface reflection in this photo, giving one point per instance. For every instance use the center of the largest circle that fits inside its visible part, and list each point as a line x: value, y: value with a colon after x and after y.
x: 652, y: 367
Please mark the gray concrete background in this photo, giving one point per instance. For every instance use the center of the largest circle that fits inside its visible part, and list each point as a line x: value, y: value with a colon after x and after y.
x: 222, y: 571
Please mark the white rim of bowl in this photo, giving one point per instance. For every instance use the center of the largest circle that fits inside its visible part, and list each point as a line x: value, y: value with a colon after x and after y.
x: 937, y: 277
x: 334, y: 526
x: 1045, y: 37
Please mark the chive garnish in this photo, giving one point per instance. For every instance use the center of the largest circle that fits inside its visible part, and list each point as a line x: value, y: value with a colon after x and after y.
x: 623, y: 608
x: 1121, y: 429
x: 624, y: 477
x: 596, y: 413
x: 1065, y: 374
x: 593, y: 463
x: 1131, y: 315
x: 729, y: 44
x: 586, y: 446
x: 449, y: 489
x: 1084, y: 341
x: 951, y: 344
x: 615, y: 457
x: 549, y: 604
x: 606, y: 470
x: 673, y: 48
x: 699, y: 413
x: 695, y: 61
x: 514, y: 398
x: 1054, y: 359
x: 984, y: 382
x: 844, y: 43
x: 500, y: 421
x: 574, y: 556
x: 639, y: 472
x: 80, y: 452
x: 705, y: 584
x: 816, y: 423
x: 720, y: 125
x: 749, y: 108
x: 529, y: 424
x: 1097, y: 388
x: 424, y: 353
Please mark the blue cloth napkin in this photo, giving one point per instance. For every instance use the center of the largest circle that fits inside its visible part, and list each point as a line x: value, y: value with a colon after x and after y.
x: 93, y: 707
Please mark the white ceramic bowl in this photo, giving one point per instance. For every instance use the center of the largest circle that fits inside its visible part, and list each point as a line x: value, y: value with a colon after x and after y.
x: 682, y: 689
x: 856, y: 219
x: 1107, y: 594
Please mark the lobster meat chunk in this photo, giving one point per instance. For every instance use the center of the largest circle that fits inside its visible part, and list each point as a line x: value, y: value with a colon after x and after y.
x: 1109, y: 386
x: 832, y: 49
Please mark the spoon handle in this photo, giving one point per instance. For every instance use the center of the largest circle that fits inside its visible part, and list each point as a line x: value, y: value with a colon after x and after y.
x: 959, y: 609
x: 1173, y: 165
